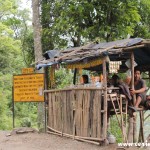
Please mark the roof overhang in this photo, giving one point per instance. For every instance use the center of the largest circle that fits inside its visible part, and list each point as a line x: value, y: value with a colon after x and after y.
x: 120, y: 50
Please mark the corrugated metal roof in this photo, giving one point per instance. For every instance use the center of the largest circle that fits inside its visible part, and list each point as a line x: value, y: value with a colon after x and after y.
x: 115, y: 50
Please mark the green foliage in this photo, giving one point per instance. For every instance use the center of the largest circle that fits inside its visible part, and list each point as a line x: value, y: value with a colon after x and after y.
x: 75, y: 20
x: 142, y: 29
x: 64, y: 22
x: 9, y: 46
x: 14, y: 36
x: 115, y: 129
x: 5, y: 94
x: 63, y: 78
x: 26, y: 114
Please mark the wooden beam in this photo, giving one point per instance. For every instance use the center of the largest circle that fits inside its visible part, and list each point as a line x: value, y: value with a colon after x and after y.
x: 134, y: 99
x: 132, y: 76
x: 105, y: 100
x: 74, y: 77
x: 75, y: 88
x: 134, y: 47
x: 142, y: 125
x: 79, y: 138
x: 73, y: 52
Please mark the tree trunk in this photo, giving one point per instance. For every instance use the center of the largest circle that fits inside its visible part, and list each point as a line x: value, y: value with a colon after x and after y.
x: 38, y: 54
x: 36, y: 30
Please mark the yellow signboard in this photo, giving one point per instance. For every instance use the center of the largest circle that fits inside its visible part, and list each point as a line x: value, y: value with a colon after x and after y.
x: 28, y: 88
x: 27, y: 70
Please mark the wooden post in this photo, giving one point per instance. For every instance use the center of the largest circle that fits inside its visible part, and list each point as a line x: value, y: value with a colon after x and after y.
x: 130, y: 129
x: 105, y: 100
x: 74, y: 77
x: 141, y: 127
x: 149, y: 75
x: 134, y: 99
x: 13, y: 107
x: 132, y: 77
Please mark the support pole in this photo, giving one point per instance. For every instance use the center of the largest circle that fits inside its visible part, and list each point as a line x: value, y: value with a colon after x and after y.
x: 134, y: 99
x: 105, y: 100
x: 46, y: 96
x: 141, y: 126
x: 13, y: 107
x: 74, y: 77
x: 45, y: 121
x: 149, y: 75
x: 132, y: 77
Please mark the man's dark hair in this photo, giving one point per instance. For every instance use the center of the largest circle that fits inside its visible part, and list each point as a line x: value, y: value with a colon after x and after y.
x: 115, y: 77
x: 115, y: 80
x: 137, y: 69
x: 85, y: 78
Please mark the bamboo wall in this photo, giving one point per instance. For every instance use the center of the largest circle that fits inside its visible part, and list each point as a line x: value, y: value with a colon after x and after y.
x: 76, y: 112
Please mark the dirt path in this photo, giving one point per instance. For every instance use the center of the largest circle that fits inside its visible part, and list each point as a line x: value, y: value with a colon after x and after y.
x: 36, y: 141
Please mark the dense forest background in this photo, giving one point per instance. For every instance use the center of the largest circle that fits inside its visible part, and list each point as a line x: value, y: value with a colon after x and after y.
x: 64, y: 23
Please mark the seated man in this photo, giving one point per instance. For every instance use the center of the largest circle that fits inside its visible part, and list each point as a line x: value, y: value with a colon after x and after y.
x: 147, y: 97
x: 139, y: 89
x: 85, y: 79
x: 115, y: 80
x: 124, y: 88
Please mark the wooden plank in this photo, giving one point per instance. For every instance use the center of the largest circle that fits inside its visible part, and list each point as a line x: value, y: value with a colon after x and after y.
x: 94, y: 122
x: 99, y: 126
x: 141, y: 126
x: 90, y: 116
x: 49, y: 110
x: 86, y: 112
x: 92, y: 142
x: 88, y: 131
x: 63, y: 122
x: 77, y: 111
x: 122, y: 122
x: 79, y: 139
x: 52, y: 114
x: 56, y: 111
x: 65, y: 112
x: 126, y: 111
x: 105, y: 101
x: 77, y: 114
x: 80, y: 124
x: 80, y: 110
x: 133, y: 47
x: 76, y: 88
x: 71, y: 111
x: 74, y: 112
x: 59, y: 111
x: 73, y: 52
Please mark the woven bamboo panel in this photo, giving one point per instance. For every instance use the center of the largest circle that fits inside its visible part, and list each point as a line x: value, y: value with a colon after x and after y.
x: 76, y: 112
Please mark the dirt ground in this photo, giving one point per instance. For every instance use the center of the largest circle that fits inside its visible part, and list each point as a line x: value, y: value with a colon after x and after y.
x: 43, y: 141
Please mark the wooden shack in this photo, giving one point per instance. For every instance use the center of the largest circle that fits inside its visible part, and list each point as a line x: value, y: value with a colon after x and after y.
x: 81, y: 112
